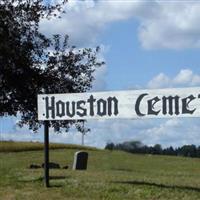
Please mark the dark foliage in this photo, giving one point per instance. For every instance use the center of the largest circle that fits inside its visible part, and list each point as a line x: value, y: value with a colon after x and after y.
x: 138, y: 147
x: 31, y: 63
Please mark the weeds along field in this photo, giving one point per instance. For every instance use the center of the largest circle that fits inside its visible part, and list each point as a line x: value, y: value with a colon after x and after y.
x: 11, y: 146
x: 110, y: 175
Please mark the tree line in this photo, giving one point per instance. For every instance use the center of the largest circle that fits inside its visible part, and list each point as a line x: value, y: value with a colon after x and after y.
x: 139, y: 148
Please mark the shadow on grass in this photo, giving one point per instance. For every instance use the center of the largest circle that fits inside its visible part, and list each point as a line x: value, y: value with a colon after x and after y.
x: 40, y: 179
x: 58, y: 177
x: 158, y: 185
x: 122, y: 169
x: 55, y: 185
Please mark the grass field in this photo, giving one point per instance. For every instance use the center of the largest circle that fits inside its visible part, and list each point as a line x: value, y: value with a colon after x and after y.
x: 111, y: 175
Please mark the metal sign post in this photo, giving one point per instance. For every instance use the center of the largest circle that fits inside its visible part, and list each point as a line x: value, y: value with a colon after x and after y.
x: 46, y: 153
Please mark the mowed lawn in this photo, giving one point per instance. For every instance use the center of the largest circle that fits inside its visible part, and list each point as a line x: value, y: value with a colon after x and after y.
x: 111, y: 175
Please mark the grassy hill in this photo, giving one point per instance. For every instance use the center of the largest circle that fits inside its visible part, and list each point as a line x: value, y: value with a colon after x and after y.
x: 111, y: 175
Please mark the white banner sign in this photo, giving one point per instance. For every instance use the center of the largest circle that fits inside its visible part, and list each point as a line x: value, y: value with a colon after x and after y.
x: 161, y: 103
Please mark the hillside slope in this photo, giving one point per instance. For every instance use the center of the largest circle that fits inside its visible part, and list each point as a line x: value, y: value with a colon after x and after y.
x: 111, y: 175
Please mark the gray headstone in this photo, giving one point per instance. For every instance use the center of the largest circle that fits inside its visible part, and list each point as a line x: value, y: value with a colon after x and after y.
x: 80, y: 160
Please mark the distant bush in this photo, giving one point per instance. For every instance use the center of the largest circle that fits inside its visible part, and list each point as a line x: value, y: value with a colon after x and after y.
x: 110, y: 146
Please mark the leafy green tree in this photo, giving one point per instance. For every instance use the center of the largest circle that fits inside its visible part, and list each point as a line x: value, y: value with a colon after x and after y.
x: 169, y: 151
x: 188, y: 150
x: 31, y: 63
x: 157, y: 149
x: 110, y: 146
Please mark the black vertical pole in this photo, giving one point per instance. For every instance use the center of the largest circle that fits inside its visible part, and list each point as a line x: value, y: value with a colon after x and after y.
x: 46, y: 153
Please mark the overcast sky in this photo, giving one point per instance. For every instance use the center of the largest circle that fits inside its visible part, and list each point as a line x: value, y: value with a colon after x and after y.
x: 145, y: 44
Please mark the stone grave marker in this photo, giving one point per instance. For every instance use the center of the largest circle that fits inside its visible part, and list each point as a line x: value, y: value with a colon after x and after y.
x: 80, y: 160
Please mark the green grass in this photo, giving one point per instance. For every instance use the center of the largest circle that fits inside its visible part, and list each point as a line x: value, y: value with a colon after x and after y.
x: 111, y: 175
